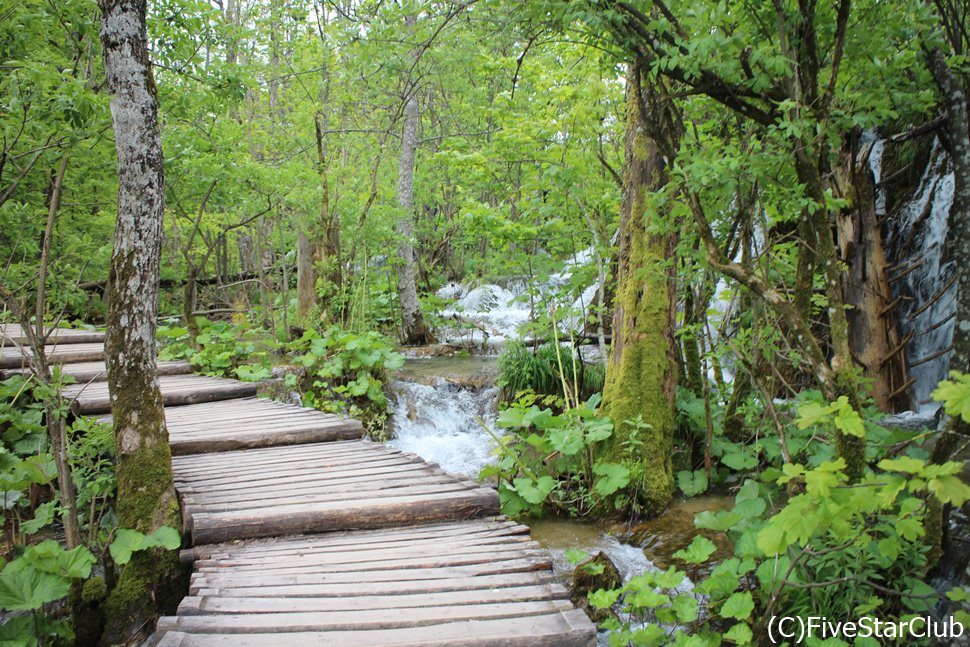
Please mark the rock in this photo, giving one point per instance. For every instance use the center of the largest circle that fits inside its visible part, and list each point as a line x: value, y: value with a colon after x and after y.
x: 598, y: 572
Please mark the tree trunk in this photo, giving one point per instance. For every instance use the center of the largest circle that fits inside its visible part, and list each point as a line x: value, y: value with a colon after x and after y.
x: 641, y: 374
x: 146, y: 497
x: 306, y: 276
x: 415, y: 330
x: 873, y: 337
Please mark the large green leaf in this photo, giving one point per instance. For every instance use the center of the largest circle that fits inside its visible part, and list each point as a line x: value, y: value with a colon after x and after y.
x: 611, y: 477
x: 129, y: 541
x: 698, y: 550
x: 26, y: 589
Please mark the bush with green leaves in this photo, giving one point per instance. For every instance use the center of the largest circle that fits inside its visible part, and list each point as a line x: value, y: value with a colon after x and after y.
x: 345, y: 373
x: 42, y: 575
x: 546, y: 461
x: 806, y: 542
x: 221, y: 349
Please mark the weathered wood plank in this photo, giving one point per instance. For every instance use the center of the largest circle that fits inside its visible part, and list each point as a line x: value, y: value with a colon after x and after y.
x: 560, y: 629
x: 320, y: 517
x: 299, y: 544
x: 95, y: 371
x: 17, y: 357
x: 14, y: 333
x: 386, y: 588
x: 199, y: 605
x: 355, y: 620
x: 176, y: 390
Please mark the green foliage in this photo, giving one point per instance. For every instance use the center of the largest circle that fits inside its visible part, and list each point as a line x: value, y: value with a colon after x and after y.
x: 521, y: 369
x: 955, y: 395
x: 546, y: 460
x: 39, y: 576
x: 345, y: 373
x: 222, y: 349
x: 826, y: 547
x: 127, y: 541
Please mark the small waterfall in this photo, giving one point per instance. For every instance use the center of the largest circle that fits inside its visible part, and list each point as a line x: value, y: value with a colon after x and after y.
x: 915, y: 241
x: 437, y: 422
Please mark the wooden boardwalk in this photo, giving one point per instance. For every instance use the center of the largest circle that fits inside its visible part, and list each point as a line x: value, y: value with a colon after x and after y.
x: 303, y: 533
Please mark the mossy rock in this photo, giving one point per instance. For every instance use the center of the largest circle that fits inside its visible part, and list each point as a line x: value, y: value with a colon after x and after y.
x: 598, y: 572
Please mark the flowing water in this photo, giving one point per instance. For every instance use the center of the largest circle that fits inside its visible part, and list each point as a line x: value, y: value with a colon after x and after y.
x: 914, y: 245
x: 437, y: 409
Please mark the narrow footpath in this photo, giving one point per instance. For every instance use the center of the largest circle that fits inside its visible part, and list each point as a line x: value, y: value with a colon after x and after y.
x: 303, y: 533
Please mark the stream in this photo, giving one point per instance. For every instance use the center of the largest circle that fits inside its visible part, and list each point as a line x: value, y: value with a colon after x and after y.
x: 436, y: 405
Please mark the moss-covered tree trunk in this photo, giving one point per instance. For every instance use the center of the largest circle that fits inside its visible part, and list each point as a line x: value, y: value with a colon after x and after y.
x: 641, y: 373
x: 146, y: 497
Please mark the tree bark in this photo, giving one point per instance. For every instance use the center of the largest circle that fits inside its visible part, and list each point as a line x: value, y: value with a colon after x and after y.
x: 641, y: 374
x: 415, y: 330
x: 873, y: 337
x: 146, y: 497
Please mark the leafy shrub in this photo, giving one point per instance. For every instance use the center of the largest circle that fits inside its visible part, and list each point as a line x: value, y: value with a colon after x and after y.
x: 547, y: 462
x: 345, y: 373
x: 222, y: 349
x: 830, y: 547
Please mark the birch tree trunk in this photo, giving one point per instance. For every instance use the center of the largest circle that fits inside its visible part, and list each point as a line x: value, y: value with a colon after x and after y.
x: 415, y: 330
x: 146, y: 497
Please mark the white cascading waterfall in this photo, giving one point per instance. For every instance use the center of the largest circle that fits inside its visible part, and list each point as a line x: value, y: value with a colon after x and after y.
x: 439, y: 422
x: 915, y: 238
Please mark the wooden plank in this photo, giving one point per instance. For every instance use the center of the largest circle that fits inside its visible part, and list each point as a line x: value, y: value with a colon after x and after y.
x: 202, y: 504
x: 293, y: 491
x: 274, y: 455
x: 497, y: 567
x: 467, y: 558
x: 452, y: 554
x: 393, y: 618
x: 14, y: 333
x: 199, y: 605
x: 559, y: 629
x: 385, y: 588
x: 95, y: 371
x: 493, y: 527
x: 319, y: 517
x: 366, y: 552
x: 320, y: 478
x: 272, y: 436
x: 176, y: 389
x: 18, y: 357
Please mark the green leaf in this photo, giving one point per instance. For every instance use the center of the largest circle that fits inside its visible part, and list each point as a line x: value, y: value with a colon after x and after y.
x: 812, y: 414
x: 740, y: 461
x: 26, y: 589
x: 739, y: 634
x: 129, y: 541
x: 955, y: 395
x: 904, y: 464
x: 566, y: 440
x: 739, y: 606
x: 692, y: 483
x: 575, y: 556
x: 949, y: 489
x: 612, y: 477
x: 534, y: 492
x: 685, y: 606
x: 603, y: 599
x: 698, y: 550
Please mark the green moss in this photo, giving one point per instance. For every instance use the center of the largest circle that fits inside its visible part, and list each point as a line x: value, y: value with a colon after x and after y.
x: 152, y: 582
x: 641, y: 374
x: 94, y: 590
